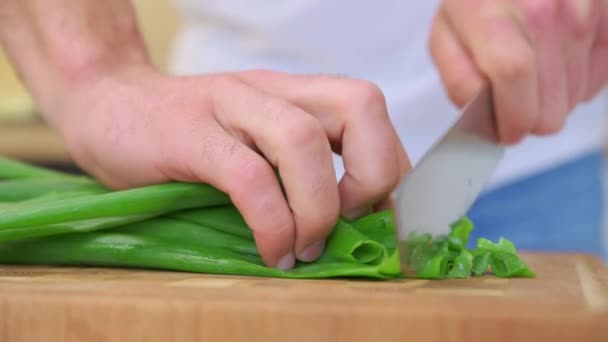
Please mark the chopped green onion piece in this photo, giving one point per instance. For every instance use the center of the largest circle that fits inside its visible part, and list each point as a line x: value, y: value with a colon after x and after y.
x: 503, y: 245
x: 481, y: 262
x: 462, y: 266
x: 444, y: 257
x: 460, y: 232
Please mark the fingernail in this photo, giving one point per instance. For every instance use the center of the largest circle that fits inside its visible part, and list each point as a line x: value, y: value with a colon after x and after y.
x: 355, y: 213
x: 286, y: 262
x: 312, y: 252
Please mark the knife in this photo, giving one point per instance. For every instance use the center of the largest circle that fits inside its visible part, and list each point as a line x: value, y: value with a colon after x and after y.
x: 447, y: 180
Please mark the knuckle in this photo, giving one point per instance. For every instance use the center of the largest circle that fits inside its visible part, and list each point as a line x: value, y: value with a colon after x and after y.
x: 555, y: 126
x: 179, y: 157
x: 392, y: 179
x: 271, y: 219
x: 253, y: 74
x: 319, y: 210
x: 521, y: 125
x: 297, y: 128
x: 513, y: 66
x: 371, y: 97
x: 457, y: 90
x: 304, y: 131
x: 511, y: 138
x: 219, y: 84
x: 251, y: 172
x: 518, y: 131
x: 316, y: 214
x: 582, y: 13
x: 581, y: 29
x: 249, y: 189
x: 551, y: 124
x: 515, y: 128
x: 538, y: 14
x: 377, y: 182
x: 325, y: 188
x: 364, y: 97
x: 389, y: 181
x: 312, y: 228
x: 277, y: 110
x: 453, y: 84
x: 456, y: 95
x: 223, y: 79
x: 210, y: 145
x: 327, y: 213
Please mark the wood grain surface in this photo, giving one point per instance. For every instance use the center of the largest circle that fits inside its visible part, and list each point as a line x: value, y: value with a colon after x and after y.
x: 568, y: 301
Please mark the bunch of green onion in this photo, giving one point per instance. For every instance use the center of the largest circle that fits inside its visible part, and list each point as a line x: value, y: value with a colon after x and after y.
x: 53, y: 218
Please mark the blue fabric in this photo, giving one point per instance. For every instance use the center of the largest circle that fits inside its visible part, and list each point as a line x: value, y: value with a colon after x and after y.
x: 558, y: 210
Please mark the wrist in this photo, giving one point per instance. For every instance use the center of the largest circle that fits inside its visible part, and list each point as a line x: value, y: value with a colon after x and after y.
x: 75, y: 72
x: 60, y: 48
x: 93, y: 92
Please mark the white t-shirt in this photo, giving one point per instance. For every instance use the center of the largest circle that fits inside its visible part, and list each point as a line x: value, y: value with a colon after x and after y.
x: 383, y: 41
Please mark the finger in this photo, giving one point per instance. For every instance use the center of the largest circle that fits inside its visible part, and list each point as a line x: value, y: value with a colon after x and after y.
x: 294, y: 142
x: 459, y: 75
x: 598, y: 70
x: 368, y: 178
x: 386, y: 204
x: 211, y: 155
x: 504, y: 56
x: 539, y: 20
x: 403, y: 160
x: 354, y: 116
x: 580, y: 18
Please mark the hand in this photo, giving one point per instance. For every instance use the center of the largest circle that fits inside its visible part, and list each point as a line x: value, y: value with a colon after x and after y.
x: 541, y: 57
x: 138, y: 127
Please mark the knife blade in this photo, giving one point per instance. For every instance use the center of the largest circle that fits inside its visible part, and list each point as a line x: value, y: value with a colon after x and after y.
x: 447, y: 180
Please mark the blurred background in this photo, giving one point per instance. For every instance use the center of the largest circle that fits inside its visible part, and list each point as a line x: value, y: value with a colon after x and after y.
x: 24, y: 136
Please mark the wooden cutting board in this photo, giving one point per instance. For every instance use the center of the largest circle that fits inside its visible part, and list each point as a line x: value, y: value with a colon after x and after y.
x: 567, y: 301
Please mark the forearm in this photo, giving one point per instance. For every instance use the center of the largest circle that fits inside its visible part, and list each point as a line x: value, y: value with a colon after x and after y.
x: 59, y: 45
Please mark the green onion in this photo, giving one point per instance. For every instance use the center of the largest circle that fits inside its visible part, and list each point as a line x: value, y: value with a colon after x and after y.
x: 504, y: 259
x: 33, y: 188
x: 52, y: 218
x: 444, y: 257
x: 481, y: 262
x: 118, y: 206
x: 462, y: 265
x: 174, y: 244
